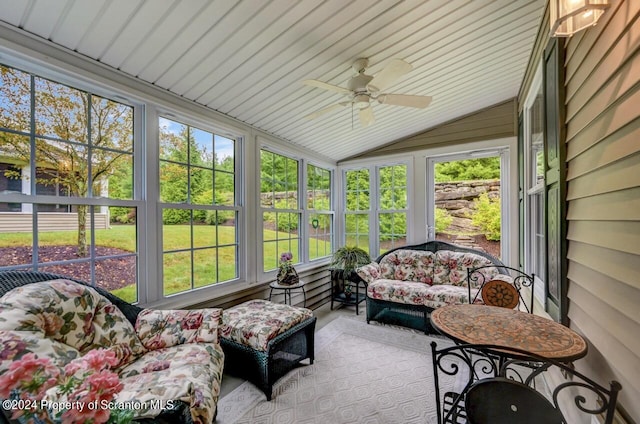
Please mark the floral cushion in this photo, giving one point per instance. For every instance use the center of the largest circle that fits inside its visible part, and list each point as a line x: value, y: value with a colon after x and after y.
x: 58, y: 309
x: 187, y: 372
x: 369, y: 272
x: 408, y: 292
x: 72, y: 314
x: 15, y: 344
x: 114, y: 332
x: 444, y: 294
x: 408, y: 265
x: 256, y: 322
x: 451, y: 267
x: 163, y: 328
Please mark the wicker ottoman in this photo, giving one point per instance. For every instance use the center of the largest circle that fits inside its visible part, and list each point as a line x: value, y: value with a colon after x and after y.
x: 262, y: 341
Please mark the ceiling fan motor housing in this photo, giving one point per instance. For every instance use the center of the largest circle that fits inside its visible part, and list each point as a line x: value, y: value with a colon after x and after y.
x: 358, y: 83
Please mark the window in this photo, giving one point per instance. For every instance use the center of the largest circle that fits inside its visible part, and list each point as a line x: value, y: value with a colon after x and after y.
x: 534, y: 183
x: 320, y: 221
x: 375, y: 211
x: 392, y: 209
x: 357, y: 208
x: 199, y: 207
x: 280, y: 206
x: 83, y: 145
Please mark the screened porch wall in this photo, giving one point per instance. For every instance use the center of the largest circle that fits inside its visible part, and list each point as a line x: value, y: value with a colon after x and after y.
x: 603, y: 160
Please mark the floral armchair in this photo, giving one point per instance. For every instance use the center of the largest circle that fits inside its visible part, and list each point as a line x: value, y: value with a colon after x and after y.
x: 169, y: 361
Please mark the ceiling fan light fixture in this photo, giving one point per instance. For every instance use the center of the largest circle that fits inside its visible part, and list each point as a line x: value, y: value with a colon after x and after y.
x: 361, y: 101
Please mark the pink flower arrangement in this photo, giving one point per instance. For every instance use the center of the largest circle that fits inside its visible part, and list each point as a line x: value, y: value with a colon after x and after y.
x: 286, y: 263
x: 82, y: 382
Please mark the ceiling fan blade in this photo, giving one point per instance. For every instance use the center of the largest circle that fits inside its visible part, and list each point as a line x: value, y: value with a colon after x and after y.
x: 366, y: 117
x: 326, y: 86
x: 326, y: 110
x: 394, y: 70
x: 405, y: 100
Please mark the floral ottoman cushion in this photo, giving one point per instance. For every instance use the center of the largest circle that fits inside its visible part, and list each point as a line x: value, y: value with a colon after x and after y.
x: 256, y: 322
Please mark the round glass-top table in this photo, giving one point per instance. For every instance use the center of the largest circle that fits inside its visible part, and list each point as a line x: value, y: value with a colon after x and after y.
x: 481, y: 324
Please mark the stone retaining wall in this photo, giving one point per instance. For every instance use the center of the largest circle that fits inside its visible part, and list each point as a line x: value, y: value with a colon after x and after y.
x: 457, y: 199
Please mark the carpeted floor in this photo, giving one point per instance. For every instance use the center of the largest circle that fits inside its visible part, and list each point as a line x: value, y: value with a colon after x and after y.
x: 362, y: 374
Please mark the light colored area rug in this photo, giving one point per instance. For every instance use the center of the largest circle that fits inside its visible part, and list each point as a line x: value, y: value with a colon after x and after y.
x: 361, y: 374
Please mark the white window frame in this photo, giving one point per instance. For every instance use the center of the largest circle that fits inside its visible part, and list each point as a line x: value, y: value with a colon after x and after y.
x: 532, y: 191
x: 374, y: 199
x: 505, y: 187
x: 307, y: 212
x: 378, y: 203
x: 304, y: 263
x: 30, y: 197
x: 237, y: 207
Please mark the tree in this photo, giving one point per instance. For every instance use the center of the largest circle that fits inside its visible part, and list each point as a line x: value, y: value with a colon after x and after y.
x: 468, y: 169
x: 80, y: 138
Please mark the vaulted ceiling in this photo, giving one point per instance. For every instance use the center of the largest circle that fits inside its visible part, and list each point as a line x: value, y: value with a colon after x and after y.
x: 247, y: 58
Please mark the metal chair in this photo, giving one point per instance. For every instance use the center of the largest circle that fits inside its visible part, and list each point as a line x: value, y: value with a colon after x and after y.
x: 512, y: 391
x: 498, y: 292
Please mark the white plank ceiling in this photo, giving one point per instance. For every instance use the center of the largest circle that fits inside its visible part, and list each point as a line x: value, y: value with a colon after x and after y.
x: 247, y: 58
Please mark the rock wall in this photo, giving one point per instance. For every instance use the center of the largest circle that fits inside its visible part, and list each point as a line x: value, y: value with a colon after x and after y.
x: 457, y: 199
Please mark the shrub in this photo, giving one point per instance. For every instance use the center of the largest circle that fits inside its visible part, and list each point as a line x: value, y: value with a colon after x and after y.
x: 121, y: 215
x: 487, y: 216
x: 443, y: 220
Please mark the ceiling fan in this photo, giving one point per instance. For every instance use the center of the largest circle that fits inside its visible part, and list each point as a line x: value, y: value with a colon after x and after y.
x: 362, y: 89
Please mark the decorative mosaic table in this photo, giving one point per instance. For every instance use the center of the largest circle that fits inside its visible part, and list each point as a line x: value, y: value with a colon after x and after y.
x: 482, y: 324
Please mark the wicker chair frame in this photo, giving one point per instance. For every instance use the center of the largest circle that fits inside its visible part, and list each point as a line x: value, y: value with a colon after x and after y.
x: 417, y: 316
x: 10, y: 280
x: 284, y: 353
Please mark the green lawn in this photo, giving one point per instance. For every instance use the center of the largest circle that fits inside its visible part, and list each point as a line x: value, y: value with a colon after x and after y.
x: 176, y: 265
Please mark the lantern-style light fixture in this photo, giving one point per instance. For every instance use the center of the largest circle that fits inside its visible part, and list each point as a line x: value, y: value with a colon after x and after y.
x: 570, y: 16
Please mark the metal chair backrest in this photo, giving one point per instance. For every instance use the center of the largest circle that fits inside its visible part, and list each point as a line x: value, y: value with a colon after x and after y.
x: 497, y: 292
x: 490, y: 387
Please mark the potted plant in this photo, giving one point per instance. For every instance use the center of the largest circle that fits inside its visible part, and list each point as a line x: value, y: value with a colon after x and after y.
x: 345, y: 260
x: 287, y: 274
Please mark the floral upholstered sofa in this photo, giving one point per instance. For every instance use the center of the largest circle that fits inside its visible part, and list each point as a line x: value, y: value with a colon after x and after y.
x: 162, y: 355
x: 405, y: 284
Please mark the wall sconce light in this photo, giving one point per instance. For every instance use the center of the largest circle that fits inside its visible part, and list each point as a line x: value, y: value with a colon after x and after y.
x: 570, y: 16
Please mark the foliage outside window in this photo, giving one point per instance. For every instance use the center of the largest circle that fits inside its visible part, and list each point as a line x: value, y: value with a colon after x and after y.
x: 320, y: 214
x: 280, y: 206
x: 392, y: 216
x: 357, y: 208
x: 468, y: 169
x: 67, y: 150
x: 487, y: 216
x: 198, y: 203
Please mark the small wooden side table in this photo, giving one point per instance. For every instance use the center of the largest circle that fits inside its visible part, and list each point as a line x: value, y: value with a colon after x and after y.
x: 287, y: 290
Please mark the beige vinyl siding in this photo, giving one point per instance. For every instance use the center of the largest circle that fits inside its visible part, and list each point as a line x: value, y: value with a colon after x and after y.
x: 16, y: 222
x: 603, y: 146
x: 497, y: 121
